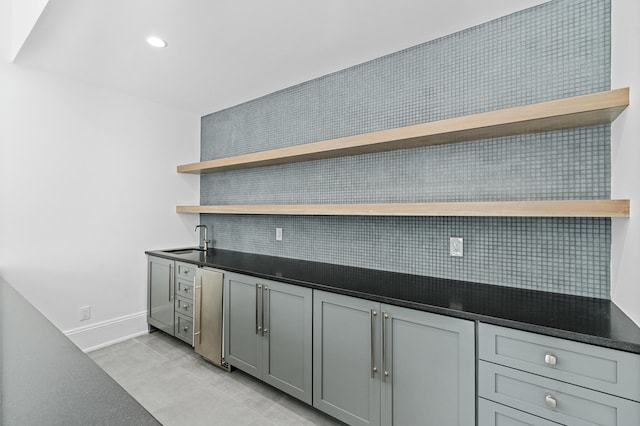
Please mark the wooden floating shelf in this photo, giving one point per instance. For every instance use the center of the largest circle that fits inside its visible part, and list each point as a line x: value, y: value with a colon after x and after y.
x: 579, y: 111
x: 550, y: 208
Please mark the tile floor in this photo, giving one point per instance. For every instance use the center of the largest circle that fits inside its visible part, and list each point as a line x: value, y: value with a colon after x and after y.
x: 179, y: 388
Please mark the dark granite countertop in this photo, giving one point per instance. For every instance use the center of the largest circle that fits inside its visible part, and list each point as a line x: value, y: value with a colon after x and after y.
x: 588, y: 320
x: 46, y: 380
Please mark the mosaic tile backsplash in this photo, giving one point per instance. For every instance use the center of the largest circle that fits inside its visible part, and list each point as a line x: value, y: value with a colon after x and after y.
x: 554, y: 50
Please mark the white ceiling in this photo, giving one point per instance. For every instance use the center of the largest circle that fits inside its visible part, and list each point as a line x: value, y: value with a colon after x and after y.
x: 224, y: 52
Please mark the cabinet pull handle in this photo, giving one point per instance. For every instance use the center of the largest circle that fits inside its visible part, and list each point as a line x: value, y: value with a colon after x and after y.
x: 264, y: 288
x: 265, y: 302
x: 550, y: 401
x: 199, y: 316
x: 550, y: 359
x: 385, y: 373
x: 170, y: 283
x: 372, y: 315
x: 258, y: 328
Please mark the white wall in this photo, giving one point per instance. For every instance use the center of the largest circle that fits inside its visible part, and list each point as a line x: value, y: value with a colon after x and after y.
x: 88, y: 182
x: 24, y: 15
x: 625, y: 157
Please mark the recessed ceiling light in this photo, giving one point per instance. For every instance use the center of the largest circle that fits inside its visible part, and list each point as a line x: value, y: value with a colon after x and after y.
x: 156, y: 41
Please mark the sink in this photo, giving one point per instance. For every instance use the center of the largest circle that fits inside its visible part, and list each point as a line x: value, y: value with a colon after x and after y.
x: 185, y: 251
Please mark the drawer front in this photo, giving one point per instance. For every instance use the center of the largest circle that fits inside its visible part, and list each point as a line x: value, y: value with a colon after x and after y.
x: 185, y: 271
x: 492, y: 414
x: 553, y: 400
x: 594, y: 367
x: 184, y: 289
x: 184, y: 306
x: 184, y: 328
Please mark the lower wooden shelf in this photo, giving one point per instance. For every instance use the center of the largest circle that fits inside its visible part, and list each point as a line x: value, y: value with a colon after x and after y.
x: 546, y: 208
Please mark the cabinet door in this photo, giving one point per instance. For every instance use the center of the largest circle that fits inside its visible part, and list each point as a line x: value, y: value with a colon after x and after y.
x: 160, y: 294
x: 344, y: 343
x: 286, y: 346
x: 242, y: 314
x: 428, y: 368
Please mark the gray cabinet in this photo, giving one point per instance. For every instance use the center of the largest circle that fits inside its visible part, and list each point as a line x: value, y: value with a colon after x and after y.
x: 558, y: 380
x: 380, y: 364
x: 241, y: 316
x: 268, y: 332
x: 185, y: 280
x: 184, y: 306
x: 170, y: 297
x: 346, y: 342
x: 160, y: 294
x: 430, y: 361
x: 184, y: 328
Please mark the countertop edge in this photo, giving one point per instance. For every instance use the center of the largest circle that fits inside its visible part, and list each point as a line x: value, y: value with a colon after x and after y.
x: 452, y: 312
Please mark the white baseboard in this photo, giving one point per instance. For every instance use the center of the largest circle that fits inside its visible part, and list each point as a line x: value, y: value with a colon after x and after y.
x: 99, y: 335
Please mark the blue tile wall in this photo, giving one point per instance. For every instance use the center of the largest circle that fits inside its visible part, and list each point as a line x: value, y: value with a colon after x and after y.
x: 554, y: 50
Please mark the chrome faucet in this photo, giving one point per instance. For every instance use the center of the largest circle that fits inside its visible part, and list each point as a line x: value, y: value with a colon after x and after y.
x: 205, y: 241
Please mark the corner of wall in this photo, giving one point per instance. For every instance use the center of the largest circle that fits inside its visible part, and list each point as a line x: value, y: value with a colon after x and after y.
x: 24, y: 16
x: 625, y: 174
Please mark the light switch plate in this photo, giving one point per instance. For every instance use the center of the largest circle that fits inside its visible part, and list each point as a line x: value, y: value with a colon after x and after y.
x: 278, y: 234
x: 456, y: 247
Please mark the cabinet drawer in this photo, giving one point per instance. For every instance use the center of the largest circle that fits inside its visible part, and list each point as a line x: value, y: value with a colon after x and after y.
x: 184, y: 328
x: 184, y: 306
x: 184, y: 289
x: 553, y: 400
x: 594, y: 367
x: 492, y: 414
x: 185, y: 271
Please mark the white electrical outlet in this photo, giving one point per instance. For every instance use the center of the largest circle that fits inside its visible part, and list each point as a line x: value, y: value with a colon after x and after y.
x: 85, y: 313
x: 456, y: 247
x: 278, y: 234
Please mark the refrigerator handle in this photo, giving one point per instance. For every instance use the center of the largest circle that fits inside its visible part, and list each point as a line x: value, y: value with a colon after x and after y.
x: 171, y: 283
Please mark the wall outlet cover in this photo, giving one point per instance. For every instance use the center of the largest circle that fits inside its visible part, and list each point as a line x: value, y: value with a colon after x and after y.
x: 85, y: 313
x: 456, y: 247
x: 278, y: 234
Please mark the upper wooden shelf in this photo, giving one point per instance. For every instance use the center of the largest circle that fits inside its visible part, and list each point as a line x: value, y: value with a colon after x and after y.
x: 577, y: 111
x: 546, y: 208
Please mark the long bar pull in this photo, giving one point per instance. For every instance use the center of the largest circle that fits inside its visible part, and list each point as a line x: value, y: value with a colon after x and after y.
x: 258, y: 327
x: 199, y: 316
x: 265, y: 302
x: 264, y: 288
x: 385, y: 373
x: 170, y: 283
x: 372, y: 315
